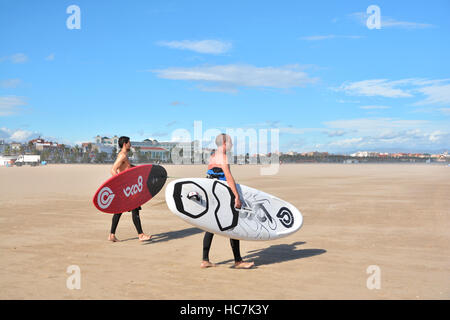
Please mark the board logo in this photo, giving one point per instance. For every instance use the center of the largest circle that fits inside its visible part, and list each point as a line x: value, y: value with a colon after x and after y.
x: 286, y: 217
x: 105, y: 197
x: 136, y: 188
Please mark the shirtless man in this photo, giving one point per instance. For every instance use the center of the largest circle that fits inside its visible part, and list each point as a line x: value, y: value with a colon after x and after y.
x: 219, y: 168
x: 122, y: 163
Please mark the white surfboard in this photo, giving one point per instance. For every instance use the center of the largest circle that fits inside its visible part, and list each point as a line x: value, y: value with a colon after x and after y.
x: 209, y: 205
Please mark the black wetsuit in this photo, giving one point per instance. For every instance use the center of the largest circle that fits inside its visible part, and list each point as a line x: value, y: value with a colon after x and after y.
x: 136, y: 220
x: 217, y: 173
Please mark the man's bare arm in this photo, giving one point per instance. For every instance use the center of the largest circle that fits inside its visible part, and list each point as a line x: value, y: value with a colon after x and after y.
x: 230, y: 179
x: 120, y: 159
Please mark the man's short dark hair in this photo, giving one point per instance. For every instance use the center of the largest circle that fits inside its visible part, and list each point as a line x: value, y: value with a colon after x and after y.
x: 123, y: 140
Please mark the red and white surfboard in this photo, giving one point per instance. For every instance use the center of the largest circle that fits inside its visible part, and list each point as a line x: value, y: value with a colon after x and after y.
x: 130, y: 189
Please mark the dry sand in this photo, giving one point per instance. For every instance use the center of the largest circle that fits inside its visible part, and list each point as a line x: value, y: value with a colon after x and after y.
x: 393, y: 216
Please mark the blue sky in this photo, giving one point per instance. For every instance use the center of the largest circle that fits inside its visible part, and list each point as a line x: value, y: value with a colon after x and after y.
x: 312, y: 70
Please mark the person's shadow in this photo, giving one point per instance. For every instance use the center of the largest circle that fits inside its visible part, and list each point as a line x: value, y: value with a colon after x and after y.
x: 173, y: 235
x: 279, y: 253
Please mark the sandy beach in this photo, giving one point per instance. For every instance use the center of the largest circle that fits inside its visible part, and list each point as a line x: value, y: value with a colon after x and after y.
x: 393, y: 216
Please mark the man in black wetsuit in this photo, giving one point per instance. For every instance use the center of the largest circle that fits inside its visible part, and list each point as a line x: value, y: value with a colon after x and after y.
x: 121, y: 164
x: 219, y: 168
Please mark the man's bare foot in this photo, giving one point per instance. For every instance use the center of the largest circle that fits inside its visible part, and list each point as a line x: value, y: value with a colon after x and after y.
x: 207, y: 264
x: 243, y: 265
x: 144, y: 237
x: 112, y: 237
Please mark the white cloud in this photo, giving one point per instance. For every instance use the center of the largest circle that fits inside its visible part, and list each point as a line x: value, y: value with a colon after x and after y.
x: 335, y: 133
x: 50, y: 57
x: 20, y: 135
x: 375, y: 124
x: 374, y: 107
x: 202, y: 46
x: 347, y: 101
x: 177, y: 103
x: 445, y: 111
x: 15, y: 58
x: 10, y: 83
x: 388, y: 134
x: 19, y: 58
x: 435, y: 95
x: 389, y: 22
x: 10, y: 105
x: 290, y: 130
x: 346, y: 142
x: 329, y: 36
x: 17, y: 135
x: 375, y: 87
x: 229, y: 77
x: 436, y: 91
x: 410, y: 140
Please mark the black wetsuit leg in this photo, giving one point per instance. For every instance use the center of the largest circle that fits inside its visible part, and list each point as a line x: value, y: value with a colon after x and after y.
x: 235, y: 246
x: 137, y: 220
x: 207, y: 239
x: 115, y: 222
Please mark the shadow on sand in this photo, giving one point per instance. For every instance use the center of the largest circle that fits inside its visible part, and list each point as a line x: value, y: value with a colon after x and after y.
x: 173, y: 235
x: 278, y: 253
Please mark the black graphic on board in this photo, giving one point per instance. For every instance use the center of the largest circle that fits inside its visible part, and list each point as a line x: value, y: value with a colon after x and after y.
x: 177, y: 196
x: 232, y: 211
x: 156, y: 179
x: 258, y: 207
x: 286, y: 217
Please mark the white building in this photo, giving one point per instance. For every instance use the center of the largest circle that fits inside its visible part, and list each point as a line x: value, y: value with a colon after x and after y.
x: 365, y: 154
x: 40, y: 144
x: 113, y: 142
x: 153, y: 148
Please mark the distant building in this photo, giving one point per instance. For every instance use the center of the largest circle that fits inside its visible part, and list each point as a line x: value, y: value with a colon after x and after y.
x: 399, y: 155
x: 156, y: 153
x: 86, y: 146
x: 113, y: 142
x: 365, y: 154
x: 314, y: 154
x: 15, y: 145
x: 103, y: 148
x: 93, y: 147
x: 41, y: 144
x: 151, y: 147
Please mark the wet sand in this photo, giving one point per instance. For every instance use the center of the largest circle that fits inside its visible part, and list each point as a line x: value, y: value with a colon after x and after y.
x: 393, y: 216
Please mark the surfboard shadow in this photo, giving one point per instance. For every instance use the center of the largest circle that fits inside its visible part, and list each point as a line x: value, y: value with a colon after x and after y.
x: 173, y: 235
x: 279, y: 253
